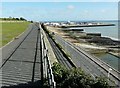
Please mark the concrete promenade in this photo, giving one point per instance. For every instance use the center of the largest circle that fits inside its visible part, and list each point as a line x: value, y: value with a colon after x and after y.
x: 19, y: 66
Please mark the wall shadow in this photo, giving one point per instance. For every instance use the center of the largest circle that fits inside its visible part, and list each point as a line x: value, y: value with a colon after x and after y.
x: 36, y: 84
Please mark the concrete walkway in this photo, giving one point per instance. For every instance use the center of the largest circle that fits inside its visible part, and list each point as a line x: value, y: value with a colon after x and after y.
x: 18, y: 69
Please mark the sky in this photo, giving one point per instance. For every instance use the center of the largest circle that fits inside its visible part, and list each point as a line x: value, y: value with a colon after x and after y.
x: 61, y: 11
x: 60, y: 0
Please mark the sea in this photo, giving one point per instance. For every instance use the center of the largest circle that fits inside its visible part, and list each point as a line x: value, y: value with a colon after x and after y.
x: 112, y: 32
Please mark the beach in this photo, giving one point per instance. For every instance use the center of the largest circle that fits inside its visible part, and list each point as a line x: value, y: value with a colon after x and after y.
x: 103, y: 52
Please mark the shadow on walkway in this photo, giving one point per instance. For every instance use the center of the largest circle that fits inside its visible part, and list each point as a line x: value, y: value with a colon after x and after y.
x: 36, y: 84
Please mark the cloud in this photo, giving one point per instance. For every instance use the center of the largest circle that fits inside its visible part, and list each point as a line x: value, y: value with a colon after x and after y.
x: 103, y: 10
x: 70, y: 7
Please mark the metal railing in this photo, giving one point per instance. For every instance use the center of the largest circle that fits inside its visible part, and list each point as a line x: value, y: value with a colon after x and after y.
x: 46, y: 65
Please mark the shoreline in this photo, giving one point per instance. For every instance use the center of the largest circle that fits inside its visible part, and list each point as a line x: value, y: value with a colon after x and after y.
x: 114, y: 54
x: 114, y: 39
x: 84, y: 45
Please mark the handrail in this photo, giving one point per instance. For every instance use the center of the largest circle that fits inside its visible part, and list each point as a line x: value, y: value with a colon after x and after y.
x: 47, y: 70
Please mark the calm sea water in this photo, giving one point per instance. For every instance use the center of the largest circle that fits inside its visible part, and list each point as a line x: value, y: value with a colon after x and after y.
x: 112, y: 32
x: 111, y: 60
x: 106, y: 31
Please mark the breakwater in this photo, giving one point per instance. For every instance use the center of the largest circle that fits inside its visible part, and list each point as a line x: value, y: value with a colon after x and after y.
x: 69, y: 26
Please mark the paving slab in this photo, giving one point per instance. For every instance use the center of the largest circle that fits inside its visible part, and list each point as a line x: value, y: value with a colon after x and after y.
x: 19, y: 67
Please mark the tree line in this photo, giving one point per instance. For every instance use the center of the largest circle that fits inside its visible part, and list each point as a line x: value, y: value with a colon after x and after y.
x: 14, y: 19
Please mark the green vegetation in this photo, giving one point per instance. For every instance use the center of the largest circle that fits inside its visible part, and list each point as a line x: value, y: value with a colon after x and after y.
x: 13, y: 19
x: 76, y: 78
x: 10, y: 30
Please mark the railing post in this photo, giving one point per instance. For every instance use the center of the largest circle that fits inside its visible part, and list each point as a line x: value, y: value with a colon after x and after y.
x: 41, y: 58
x: 45, y: 63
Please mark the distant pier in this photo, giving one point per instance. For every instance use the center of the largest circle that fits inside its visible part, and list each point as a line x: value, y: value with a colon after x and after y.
x: 93, y: 25
x: 72, y: 29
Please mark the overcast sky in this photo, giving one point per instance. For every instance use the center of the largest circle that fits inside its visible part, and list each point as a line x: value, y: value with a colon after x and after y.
x: 61, y: 11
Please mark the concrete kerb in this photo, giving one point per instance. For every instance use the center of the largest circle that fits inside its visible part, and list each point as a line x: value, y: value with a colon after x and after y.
x: 51, y: 54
